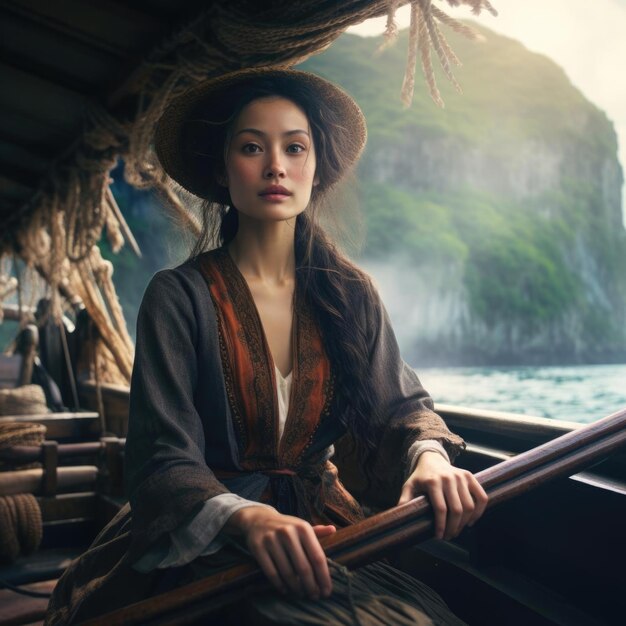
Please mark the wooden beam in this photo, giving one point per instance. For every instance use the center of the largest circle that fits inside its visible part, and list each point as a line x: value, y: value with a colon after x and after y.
x: 19, y: 175
x: 42, y: 70
x: 33, y: 481
x: 105, y: 26
x: 64, y: 107
x: 50, y: 457
x: 32, y: 454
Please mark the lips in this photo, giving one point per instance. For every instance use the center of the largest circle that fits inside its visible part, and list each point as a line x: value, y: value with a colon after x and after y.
x: 275, y: 190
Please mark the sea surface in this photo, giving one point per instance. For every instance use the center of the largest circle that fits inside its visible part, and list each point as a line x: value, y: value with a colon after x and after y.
x: 579, y: 393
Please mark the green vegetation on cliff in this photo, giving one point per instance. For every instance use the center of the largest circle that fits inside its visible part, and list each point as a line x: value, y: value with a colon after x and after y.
x: 507, y: 92
x: 509, y: 181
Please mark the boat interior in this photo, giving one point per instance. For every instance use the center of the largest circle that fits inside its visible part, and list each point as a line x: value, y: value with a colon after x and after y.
x: 549, y: 556
x: 554, y: 554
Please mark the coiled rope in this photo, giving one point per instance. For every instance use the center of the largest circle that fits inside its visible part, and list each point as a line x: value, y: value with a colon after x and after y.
x: 20, y: 516
x: 21, y: 526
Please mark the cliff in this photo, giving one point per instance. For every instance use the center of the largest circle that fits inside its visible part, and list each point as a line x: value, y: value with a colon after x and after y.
x: 494, y: 226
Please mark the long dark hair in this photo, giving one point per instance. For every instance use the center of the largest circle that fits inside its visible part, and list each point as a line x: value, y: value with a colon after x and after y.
x: 334, y: 287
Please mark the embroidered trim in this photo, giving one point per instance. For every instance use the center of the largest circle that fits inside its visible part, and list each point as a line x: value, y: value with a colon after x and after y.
x: 312, y: 394
x: 227, y: 366
x: 249, y: 370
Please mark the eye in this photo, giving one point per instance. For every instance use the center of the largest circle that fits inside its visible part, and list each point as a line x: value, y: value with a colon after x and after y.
x: 296, y: 148
x: 251, y: 148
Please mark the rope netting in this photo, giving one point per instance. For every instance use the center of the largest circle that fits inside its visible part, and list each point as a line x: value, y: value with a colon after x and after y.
x: 58, y: 237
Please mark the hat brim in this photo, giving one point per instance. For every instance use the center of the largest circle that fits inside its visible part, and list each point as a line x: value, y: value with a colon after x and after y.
x: 180, y: 160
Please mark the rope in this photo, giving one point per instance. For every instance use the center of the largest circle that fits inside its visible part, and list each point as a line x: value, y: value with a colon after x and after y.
x: 21, y: 526
x: 96, y: 374
x: 391, y: 28
x: 24, y: 400
x: 83, y: 277
x: 20, y: 434
x: 113, y: 230
x: 347, y: 575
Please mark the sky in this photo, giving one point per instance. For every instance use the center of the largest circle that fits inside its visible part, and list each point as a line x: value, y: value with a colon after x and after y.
x: 587, y: 38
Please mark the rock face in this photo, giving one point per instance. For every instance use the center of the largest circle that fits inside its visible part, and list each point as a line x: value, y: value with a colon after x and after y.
x: 494, y: 227
x: 530, y: 168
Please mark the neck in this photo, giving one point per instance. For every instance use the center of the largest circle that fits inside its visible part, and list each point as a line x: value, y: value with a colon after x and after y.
x: 265, y: 251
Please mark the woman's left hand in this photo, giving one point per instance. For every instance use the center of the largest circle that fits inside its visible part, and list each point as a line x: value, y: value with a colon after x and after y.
x: 455, y: 495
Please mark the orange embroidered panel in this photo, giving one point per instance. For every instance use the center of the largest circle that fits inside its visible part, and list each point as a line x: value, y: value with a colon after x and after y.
x: 249, y: 372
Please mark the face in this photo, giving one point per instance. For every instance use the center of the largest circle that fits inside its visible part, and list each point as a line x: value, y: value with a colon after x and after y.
x: 270, y: 164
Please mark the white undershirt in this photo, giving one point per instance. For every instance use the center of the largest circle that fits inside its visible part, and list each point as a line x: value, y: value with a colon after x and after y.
x: 283, y: 391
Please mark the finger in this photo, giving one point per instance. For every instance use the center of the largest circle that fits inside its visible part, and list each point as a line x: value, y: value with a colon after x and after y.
x: 291, y: 540
x: 480, y: 498
x: 270, y: 570
x: 438, y: 504
x: 318, y: 561
x: 324, y: 531
x: 467, y: 502
x: 283, y: 564
x: 455, y: 508
x: 407, y: 493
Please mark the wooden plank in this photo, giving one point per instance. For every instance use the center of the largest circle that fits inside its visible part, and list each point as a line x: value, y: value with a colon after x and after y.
x: 113, y: 474
x: 512, y: 599
x: 64, y: 108
x: 72, y: 533
x: 495, y: 421
x: 115, y: 399
x: 42, y: 565
x: 31, y: 132
x: 69, y: 506
x: 508, y: 431
x: 21, y: 609
x: 50, y: 456
x: 111, y: 26
x: 17, y: 173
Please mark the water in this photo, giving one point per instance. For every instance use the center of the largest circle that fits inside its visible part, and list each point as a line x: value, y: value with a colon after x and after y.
x: 581, y: 393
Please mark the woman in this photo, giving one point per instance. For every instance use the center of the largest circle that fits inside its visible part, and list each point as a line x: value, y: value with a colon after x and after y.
x: 258, y: 362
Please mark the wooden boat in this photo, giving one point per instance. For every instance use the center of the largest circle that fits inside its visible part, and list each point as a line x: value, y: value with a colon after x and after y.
x: 551, y: 556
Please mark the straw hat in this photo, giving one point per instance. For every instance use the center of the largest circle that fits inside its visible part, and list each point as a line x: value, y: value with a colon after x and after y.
x: 183, y: 134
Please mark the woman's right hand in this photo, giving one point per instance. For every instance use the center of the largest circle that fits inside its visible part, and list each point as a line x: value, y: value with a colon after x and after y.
x: 287, y: 549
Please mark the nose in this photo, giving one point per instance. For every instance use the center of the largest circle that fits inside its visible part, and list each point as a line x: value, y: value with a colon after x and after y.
x: 274, y: 167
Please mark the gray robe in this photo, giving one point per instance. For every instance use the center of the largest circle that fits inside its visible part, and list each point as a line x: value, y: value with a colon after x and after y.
x: 180, y: 427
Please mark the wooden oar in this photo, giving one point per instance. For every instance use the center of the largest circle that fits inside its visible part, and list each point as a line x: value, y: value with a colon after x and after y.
x: 369, y: 540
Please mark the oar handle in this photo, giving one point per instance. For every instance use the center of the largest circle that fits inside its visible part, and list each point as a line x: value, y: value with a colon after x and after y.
x: 367, y: 540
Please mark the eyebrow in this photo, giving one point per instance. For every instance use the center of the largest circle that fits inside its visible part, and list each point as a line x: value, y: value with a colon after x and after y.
x: 260, y: 133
